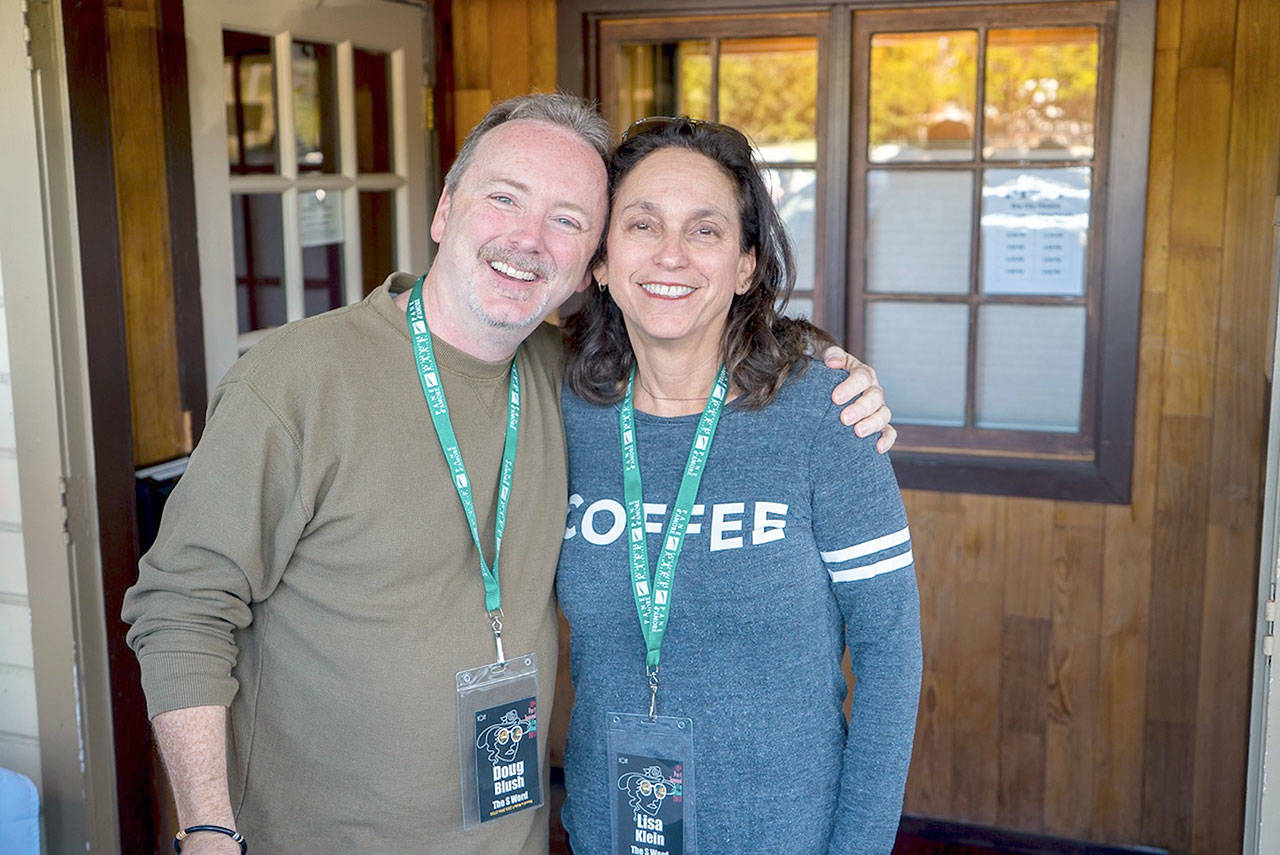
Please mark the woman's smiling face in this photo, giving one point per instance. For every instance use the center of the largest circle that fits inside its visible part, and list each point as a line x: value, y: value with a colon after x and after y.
x: 674, y: 259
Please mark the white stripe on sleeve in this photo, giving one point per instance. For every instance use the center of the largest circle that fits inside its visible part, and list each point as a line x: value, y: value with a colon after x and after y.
x: 868, y: 547
x: 854, y: 574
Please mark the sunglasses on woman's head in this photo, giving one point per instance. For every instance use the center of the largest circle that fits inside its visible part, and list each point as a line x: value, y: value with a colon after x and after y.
x: 682, y: 125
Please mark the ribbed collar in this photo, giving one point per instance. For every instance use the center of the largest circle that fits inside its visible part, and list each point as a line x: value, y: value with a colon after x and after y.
x: 382, y: 299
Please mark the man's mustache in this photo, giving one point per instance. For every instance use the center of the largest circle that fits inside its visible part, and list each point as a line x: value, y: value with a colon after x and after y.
x: 521, y: 261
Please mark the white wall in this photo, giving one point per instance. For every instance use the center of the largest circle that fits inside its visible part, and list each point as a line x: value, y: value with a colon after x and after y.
x: 19, y: 734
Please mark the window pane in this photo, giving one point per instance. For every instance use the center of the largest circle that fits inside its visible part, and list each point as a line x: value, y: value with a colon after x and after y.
x: 251, y: 100
x: 1030, y: 367
x: 667, y: 79
x: 799, y: 306
x: 919, y: 227
x: 258, y: 242
x: 377, y: 237
x: 315, y: 107
x: 373, y: 112
x: 1035, y: 226
x: 321, y: 231
x: 923, y: 95
x: 794, y: 193
x: 769, y: 91
x: 1041, y: 87
x: 921, y: 352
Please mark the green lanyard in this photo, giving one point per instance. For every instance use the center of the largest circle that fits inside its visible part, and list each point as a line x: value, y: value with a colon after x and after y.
x: 653, y: 595
x: 434, y: 392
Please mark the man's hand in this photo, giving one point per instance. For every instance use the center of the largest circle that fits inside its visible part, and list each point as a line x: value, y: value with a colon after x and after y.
x: 868, y: 413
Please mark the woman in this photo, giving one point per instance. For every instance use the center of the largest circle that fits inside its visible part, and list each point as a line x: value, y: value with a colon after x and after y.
x: 708, y: 693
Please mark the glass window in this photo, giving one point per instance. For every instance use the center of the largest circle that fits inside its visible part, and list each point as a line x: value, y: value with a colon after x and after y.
x: 251, y: 102
x: 373, y: 111
x: 965, y: 256
x: 377, y: 237
x: 322, y: 235
x: 769, y: 91
x: 921, y: 352
x: 977, y: 175
x: 1035, y: 230
x: 918, y: 231
x: 258, y: 243
x: 923, y: 96
x: 1030, y: 368
x: 315, y: 107
x: 1041, y: 93
x: 337, y: 240
x: 662, y: 79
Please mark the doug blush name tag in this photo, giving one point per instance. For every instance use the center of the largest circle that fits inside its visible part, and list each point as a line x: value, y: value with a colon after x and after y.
x: 651, y: 785
x: 498, y: 740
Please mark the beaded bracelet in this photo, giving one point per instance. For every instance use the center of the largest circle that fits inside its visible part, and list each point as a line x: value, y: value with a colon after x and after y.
x: 233, y: 834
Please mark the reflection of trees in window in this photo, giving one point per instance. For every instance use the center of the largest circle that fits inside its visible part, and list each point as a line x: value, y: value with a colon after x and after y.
x: 1040, y: 92
x: 765, y: 86
x: 923, y: 90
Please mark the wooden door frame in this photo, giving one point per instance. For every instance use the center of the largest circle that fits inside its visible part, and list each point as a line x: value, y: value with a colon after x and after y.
x: 84, y: 34
x: 1262, y: 820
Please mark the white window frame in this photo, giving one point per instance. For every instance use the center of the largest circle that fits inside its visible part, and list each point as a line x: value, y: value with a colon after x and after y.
x: 394, y: 29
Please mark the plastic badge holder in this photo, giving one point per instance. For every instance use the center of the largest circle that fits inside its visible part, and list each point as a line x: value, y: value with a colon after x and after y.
x: 651, y: 785
x: 498, y: 728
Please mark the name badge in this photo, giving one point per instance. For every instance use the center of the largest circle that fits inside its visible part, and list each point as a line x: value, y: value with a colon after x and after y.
x: 498, y: 740
x: 651, y: 785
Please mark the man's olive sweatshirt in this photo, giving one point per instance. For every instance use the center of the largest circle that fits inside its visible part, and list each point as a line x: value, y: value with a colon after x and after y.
x: 314, y: 571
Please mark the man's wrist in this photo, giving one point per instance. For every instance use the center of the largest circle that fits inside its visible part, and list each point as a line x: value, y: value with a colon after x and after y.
x: 235, y: 836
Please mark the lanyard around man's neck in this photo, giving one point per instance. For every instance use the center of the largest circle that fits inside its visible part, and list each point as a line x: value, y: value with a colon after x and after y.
x: 432, y: 388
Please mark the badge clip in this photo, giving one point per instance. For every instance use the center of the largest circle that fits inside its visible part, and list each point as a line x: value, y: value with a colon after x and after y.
x: 495, y: 618
x: 652, y: 671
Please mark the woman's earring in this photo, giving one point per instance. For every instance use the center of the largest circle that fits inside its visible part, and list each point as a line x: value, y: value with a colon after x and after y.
x: 602, y: 285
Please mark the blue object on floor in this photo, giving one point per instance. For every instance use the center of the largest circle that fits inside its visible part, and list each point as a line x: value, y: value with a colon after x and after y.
x: 19, y: 815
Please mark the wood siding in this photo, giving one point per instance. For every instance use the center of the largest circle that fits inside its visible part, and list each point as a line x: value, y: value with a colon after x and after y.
x: 1088, y: 667
x: 501, y: 48
x: 161, y: 425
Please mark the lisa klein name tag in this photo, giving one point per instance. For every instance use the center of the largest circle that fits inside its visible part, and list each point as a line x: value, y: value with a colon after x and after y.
x: 651, y: 785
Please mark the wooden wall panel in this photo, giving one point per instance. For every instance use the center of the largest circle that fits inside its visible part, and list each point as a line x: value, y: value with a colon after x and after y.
x: 161, y: 428
x: 501, y: 48
x: 1241, y: 359
x: 1024, y: 699
x: 930, y: 780
x: 1070, y: 765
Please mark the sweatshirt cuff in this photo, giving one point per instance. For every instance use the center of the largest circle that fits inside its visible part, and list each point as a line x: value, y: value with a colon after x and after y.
x: 174, y: 681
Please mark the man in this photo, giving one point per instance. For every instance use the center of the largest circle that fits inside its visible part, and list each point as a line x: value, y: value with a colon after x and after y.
x: 315, y: 570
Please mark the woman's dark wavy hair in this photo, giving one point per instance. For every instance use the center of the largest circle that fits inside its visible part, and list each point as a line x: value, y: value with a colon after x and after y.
x: 761, y: 350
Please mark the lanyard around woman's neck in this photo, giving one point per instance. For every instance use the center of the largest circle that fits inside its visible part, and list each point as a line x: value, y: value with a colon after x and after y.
x: 653, y: 593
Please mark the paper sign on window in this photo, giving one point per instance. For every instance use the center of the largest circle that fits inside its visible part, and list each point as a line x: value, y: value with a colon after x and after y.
x: 1035, y: 225
x: 319, y: 218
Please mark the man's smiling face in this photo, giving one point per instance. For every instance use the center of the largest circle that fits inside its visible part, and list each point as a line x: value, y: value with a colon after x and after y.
x: 519, y: 227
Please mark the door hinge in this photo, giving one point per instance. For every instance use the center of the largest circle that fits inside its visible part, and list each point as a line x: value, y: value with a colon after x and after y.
x: 26, y: 33
x: 66, y: 514
x: 1269, y: 610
